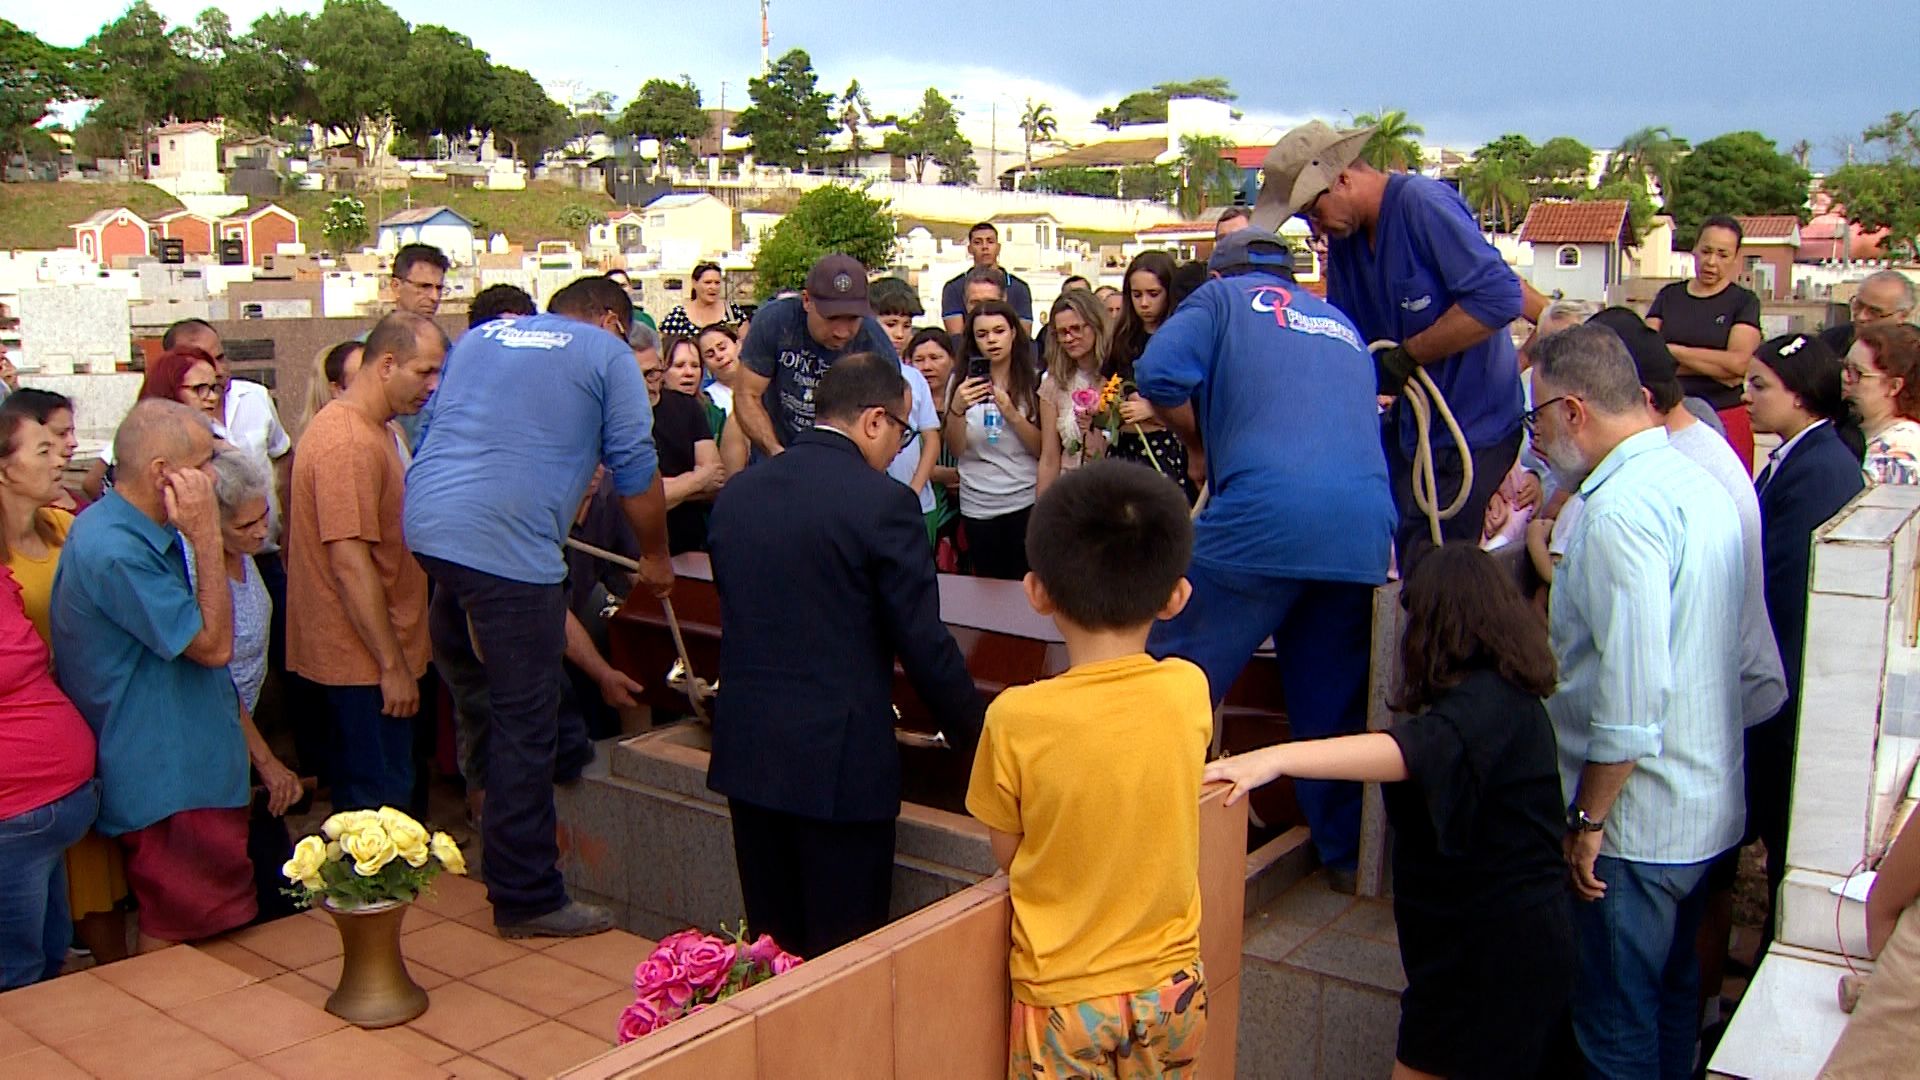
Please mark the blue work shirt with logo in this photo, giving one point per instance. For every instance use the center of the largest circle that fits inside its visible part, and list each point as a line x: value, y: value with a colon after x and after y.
x: 1283, y: 391
x: 1427, y: 255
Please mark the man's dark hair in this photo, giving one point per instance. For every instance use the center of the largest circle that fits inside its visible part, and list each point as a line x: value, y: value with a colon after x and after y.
x: 1464, y: 614
x: 588, y: 298
x: 983, y: 226
x: 1233, y: 213
x: 1727, y: 222
x: 170, y: 340
x: 1109, y: 541
x: 857, y: 383
x: 414, y: 255
x: 1187, y: 277
x: 891, y: 296
x: 1071, y: 278
x: 401, y: 333
x: 987, y: 275
x: 36, y: 403
x: 496, y: 300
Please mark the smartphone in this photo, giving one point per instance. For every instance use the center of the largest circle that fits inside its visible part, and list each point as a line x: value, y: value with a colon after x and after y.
x: 979, y: 367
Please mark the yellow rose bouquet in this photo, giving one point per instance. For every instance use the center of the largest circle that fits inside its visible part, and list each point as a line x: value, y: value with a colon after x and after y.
x: 367, y: 857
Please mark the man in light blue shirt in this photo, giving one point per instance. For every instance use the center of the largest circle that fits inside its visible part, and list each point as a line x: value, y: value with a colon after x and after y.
x: 1648, y: 714
x: 526, y: 409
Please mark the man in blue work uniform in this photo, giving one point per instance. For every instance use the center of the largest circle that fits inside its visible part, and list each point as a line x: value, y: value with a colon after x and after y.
x: 1406, y: 262
x: 1276, y: 385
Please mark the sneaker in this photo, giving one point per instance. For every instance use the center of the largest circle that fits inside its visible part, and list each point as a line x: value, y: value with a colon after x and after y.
x: 574, y: 920
x: 1342, y: 880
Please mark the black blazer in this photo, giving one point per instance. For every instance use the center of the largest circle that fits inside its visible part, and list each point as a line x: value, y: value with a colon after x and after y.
x: 825, y: 576
x: 1810, y: 486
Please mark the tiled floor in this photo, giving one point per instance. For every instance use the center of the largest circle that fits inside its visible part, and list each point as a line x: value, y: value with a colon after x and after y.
x: 250, y: 1005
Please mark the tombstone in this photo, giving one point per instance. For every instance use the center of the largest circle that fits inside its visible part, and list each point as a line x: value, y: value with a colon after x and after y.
x: 74, y: 329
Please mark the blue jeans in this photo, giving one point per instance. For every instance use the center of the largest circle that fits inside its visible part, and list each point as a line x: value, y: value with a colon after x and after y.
x: 372, y: 754
x: 1637, y: 1009
x: 35, y: 927
x: 1323, y: 636
x: 521, y: 629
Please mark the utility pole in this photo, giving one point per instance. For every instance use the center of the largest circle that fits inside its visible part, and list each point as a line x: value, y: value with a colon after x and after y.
x: 993, y: 145
x: 765, y: 39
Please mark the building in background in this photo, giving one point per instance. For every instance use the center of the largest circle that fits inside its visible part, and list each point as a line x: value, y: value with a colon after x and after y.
x: 441, y: 226
x: 112, y: 234
x: 1767, y: 253
x: 1579, y: 248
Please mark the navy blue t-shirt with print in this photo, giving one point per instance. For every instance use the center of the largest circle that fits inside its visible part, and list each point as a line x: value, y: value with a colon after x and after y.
x: 780, y: 349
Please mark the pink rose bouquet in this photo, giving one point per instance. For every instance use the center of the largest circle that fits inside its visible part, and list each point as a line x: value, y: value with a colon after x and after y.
x: 690, y: 970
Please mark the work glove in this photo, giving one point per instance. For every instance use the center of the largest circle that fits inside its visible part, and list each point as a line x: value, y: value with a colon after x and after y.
x: 1392, y: 368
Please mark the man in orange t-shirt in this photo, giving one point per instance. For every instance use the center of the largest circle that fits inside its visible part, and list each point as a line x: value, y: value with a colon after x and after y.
x: 356, y: 599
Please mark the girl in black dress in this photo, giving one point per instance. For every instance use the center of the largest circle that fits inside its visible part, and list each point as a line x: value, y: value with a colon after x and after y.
x: 1149, y: 293
x: 1472, y: 787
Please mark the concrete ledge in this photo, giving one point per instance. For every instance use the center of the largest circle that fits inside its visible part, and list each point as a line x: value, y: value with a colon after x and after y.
x: 1787, y: 1022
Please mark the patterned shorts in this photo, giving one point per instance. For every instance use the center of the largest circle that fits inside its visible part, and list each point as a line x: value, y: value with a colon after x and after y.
x: 1151, y: 1033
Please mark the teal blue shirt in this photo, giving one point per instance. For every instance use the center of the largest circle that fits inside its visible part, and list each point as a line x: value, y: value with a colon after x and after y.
x: 122, y: 615
x: 1644, y: 613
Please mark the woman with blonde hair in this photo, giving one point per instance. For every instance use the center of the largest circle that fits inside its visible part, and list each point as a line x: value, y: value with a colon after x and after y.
x: 1076, y: 349
x: 333, y: 368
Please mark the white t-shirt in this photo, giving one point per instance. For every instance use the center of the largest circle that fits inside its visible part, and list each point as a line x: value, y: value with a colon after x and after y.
x: 996, y: 478
x: 253, y: 427
x: 722, y: 395
x: 924, y: 418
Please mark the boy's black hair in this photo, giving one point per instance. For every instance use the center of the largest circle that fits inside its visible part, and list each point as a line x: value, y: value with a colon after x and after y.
x: 496, y: 300
x: 891, y: 296
x: 1109, y: 541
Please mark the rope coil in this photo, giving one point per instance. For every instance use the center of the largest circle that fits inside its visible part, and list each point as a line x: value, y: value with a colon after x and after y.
x: 1423, y: 397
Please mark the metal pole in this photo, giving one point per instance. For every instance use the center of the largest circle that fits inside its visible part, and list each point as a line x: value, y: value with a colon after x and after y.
x: 993, y: 145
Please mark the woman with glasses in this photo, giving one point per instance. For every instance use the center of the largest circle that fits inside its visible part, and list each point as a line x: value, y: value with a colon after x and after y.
x: 1881, y: 375
x: 993, y: 424
x: 1075, y: 351
x: 185, y: 375
x: 1712, y: 326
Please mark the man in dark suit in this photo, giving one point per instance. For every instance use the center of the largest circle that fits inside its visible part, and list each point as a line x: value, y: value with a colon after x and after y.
x: 824, y: 575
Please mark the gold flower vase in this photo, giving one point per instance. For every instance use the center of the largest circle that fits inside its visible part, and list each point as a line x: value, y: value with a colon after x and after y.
x: 375, y: 990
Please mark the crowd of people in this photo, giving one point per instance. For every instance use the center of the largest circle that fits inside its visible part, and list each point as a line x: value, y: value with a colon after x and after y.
x: 1179, y: 469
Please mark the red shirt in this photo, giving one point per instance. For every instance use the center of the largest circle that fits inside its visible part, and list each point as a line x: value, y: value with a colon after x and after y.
x: 46, y: 748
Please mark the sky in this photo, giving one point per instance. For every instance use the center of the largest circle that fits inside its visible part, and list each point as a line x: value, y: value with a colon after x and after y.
x: 1465, y: 71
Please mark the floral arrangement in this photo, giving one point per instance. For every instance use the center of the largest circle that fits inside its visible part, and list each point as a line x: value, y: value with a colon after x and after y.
x: 367, y: 857
x: 689, y: 971
x: 1103, y: 405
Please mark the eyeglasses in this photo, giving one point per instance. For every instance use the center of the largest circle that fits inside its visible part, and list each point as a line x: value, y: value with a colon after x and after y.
x: 1853, y: 371
x: 1531, y: 418
x: 907, y: 433
x: 424, y: 286
x: 202, y: 389
x: 1867, y: 312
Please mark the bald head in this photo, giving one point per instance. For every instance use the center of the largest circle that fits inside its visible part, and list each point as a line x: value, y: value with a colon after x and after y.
x: 401, y: 365
x: 159, y: 433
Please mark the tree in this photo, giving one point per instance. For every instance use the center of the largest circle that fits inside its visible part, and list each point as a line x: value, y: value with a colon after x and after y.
x: 1394, y: 145
x: 1074, y: 180
x: 1737, y: 173
x: 579, y: 217
x: 825, y: 221
x: 1493, y: 185
x: 132, y: 65
x: 34, y: 76
x: 358, y: 48
x: 1885, y: 193
x: 1559, y: 168
x: 1208, y: 174
x: 1150, y: 106
x: 932, y: 136
x: 855, y: 112
x: 667, y: 112
x: 789, y: 120
x: 345, y: 223
x: 441, y: 88
x: 521, y: 111
x: 1036, y: 125
x: 1647, y: 158
x: 265, y: 78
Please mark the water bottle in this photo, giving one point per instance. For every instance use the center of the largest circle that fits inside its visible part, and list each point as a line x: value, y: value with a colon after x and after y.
x: 991, y: 420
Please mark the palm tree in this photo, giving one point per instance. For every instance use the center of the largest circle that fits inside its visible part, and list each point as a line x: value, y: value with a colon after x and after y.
x: 1647, y: 157
x: 1208, y: 174
x: 1036, y: 125
x: 1494, y: 188
x: 854, y: 112
x: 1394, y: 146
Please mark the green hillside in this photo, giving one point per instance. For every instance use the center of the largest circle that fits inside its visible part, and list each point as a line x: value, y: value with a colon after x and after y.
x: 39, y: 215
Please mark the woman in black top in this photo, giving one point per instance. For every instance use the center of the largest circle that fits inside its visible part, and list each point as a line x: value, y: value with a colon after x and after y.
x: 690, y: 468
x: 705, y: 307
x: 1713, y: 326
x: 1472, y: 787
x: 1142, y: 438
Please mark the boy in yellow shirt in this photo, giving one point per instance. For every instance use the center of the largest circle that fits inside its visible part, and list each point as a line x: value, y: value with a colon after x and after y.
x: 1090, y: 785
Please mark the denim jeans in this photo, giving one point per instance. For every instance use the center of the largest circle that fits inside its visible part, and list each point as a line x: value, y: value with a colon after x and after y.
x: 1636, y: 1006
x: 35, y: 927
x: 372, y: 753
x: 521, y: 630
x: 1323, y: 634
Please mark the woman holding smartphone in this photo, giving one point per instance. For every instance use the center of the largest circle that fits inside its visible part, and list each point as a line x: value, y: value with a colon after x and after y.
x: 993, y: 424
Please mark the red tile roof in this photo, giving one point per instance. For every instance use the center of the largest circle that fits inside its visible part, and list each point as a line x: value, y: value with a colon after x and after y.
x: 1597, y: 222
x: 1770, y: 226
x: 1250, y: 157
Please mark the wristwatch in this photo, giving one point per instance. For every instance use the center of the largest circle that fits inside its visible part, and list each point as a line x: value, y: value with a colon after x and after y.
x: 1579, y: 822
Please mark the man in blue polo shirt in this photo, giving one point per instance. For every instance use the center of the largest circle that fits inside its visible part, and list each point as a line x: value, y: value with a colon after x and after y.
x: 1406, y: 262
x: 526, y: 409
x: 1277, y: 388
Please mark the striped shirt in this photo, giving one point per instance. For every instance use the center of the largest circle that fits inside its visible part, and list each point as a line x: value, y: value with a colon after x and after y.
x: 1642, y: 609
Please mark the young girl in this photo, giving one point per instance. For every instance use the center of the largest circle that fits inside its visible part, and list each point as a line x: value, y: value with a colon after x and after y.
x: 1473, y: 791
x: 993, y: 424
x: 1148, y: 303
x: 1076, y: 350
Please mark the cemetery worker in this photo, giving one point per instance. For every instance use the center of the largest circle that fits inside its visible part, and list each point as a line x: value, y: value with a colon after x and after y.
x: 1276, y: 386
x: 358, y: 599
x: 1406, y: 262
x: 526, y: 409
x: 144, y: 657
x: 983, y: 243
x: 1648, y: 713
x: 793, y: 341
x: 825, y: 576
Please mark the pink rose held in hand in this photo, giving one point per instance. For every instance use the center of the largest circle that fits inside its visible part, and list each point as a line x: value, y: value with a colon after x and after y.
x: 1085, y: 399
x: 707, y: 963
